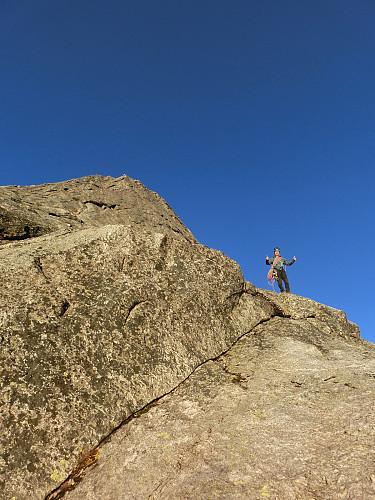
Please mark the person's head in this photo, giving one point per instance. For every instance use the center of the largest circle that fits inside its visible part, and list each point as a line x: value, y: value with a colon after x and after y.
x: 276, y: 251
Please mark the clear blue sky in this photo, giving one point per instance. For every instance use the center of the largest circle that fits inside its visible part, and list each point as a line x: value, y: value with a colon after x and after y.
x: 254, y: 119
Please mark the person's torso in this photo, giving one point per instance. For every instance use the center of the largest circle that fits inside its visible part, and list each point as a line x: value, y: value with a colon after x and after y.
x: 279, y: 264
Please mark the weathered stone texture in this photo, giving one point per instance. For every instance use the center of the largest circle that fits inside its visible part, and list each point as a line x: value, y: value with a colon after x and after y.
x: 325, y: 318
x: 108, y: 303
x: 98, y: 322
x: 31, y: 211
x: 286, y: 414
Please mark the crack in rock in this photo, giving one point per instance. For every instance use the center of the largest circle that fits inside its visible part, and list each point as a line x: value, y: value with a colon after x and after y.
x: 64, y: 307
x: 87, y: 460
x: 132, y: 307
x: 60, y: 491
x: 101, y: 204
x: 38, y: 265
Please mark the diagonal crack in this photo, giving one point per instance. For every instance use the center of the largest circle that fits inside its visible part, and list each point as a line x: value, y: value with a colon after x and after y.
x: 132, y: 307
x: 64, y: 307
x: 60, y: 491
x: 38, y: 265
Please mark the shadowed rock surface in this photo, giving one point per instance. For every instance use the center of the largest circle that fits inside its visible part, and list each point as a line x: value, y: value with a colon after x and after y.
x: 109, y: 303
x: 93, y: 201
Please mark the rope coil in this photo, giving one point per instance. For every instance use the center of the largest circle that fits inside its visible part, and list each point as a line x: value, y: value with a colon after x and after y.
x: 272, y: 275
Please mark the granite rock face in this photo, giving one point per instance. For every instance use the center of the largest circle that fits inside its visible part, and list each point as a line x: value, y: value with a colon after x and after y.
x: 108, y: 303
x: 287, y: 413
x: 93, y: 201
x: 99, y: 319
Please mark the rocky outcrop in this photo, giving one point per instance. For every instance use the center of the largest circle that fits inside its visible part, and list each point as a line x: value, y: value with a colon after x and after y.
x: 108, y: 303
x: 94, y: 201
x: 99, y: 319
x: 286, y: 414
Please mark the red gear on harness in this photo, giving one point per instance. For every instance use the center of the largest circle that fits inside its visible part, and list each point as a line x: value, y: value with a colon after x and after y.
x: 272, y: 273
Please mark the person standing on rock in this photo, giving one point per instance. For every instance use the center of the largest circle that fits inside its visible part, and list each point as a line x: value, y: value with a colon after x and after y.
x: 278, y: 264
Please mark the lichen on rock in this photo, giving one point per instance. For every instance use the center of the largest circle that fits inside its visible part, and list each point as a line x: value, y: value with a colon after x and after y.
x: 108, y: 305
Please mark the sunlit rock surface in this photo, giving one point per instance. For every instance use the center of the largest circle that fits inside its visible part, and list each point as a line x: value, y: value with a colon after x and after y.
x: 108, y: 303
x: 287, y: 413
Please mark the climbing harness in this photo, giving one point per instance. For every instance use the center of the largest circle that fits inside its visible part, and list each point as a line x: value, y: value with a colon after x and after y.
x: 272, y: 273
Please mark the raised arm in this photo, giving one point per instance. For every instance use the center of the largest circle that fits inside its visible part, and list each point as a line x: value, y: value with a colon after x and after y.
x: 290, y: 262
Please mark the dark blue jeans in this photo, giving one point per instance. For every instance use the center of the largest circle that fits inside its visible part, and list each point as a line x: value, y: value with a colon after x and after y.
x: 282, y: 277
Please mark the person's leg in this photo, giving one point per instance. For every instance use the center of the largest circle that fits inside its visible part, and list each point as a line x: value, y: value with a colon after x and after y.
x: 285, y: 279
x: 279, y: 280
